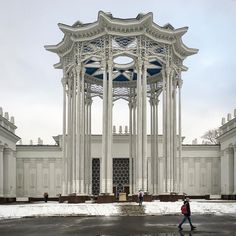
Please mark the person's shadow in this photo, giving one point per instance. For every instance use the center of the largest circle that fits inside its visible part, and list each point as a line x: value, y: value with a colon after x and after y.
x: 182, y: 233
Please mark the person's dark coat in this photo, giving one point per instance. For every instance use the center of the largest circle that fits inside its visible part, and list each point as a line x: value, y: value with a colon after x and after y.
x: 188, y: 208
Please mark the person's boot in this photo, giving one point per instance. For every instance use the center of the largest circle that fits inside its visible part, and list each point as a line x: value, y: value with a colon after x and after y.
x: 180, y: 228
x: 193, y: 227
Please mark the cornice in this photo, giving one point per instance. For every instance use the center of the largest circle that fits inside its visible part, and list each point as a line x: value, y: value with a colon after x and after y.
x: 107, y: 24
x: 227, y: 134
x: 9, y: 135
x: 38, y: 148
x: 201, y: 147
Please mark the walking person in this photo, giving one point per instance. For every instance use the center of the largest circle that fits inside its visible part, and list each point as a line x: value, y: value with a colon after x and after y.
x: 187, y: 214
x: 140, y: 197
x: 45, y: 195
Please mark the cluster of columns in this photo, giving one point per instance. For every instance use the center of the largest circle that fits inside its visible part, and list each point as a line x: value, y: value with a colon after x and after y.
x: 138, y: 131
x: 7, y: 172
x: 172, y: 143
x: 76, y: 133
x: 77, y: 177
x: 173, y: 173
x: 228, y: 170
x: 106, y: 180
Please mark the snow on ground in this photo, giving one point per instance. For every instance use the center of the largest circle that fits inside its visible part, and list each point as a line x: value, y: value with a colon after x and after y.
x: 92, y: 209
x: 197, y: 207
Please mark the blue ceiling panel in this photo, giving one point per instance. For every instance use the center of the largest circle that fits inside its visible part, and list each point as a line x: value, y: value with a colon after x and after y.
x: 121, y: 78
x: 153, y: 71
x: 157, y: 63
x: 90, y: 71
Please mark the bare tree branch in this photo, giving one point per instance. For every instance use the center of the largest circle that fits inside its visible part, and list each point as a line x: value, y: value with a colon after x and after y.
x: 211, y: 136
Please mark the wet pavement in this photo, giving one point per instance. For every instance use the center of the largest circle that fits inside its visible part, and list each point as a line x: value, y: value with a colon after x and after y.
x: 119, y: 225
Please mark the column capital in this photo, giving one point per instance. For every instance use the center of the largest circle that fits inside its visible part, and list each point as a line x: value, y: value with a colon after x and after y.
x: 228, y: 150
x: 1, y: 148
x: 234, y: 147
x: 8, y: 150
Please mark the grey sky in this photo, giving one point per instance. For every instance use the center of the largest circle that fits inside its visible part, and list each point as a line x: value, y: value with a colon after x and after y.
x: 30, y: 88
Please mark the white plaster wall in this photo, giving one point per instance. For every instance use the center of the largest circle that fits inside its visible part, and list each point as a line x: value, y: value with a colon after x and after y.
x: 39, y: 170
x: 201, y: 169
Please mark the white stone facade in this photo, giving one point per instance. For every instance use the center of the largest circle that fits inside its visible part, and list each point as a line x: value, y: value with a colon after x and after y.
x: 207, y: 169
x: 156, y: 163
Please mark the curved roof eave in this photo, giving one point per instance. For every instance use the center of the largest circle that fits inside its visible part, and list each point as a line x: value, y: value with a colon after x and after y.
x: 174, y: 35
x: 183, y: 49
x: 69, y: 30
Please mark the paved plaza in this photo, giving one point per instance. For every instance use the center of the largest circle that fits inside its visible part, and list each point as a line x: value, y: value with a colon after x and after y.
x: 116, y: 225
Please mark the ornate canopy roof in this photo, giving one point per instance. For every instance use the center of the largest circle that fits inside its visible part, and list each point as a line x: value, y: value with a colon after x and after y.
x: 125, y: 37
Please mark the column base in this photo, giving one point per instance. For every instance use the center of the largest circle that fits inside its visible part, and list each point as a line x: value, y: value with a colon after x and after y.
x: 106, y: 198
x: 168, y: 197
x: 74, y: 198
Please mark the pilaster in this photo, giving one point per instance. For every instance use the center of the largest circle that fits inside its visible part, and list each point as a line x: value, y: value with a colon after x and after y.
x: 1, y: 171
x: 9, y: 173
x: 234, y: 171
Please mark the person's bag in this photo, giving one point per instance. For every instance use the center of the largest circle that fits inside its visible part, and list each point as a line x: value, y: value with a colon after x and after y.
x: 184, y: 210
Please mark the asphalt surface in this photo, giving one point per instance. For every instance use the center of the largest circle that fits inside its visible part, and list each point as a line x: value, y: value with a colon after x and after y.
x: 120, y: 225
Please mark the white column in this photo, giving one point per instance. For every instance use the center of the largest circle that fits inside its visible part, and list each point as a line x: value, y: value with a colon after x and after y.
x: 73, y: 166
x: 78, y: 130
x: 152, y: 141
x: 64, y: 156
x: 144, y: 126
x: 1, y: 170
x: 174, y: 121
x: 87, y: 137
x: 180, y: 174
x: 164, y: 141
x: 89, y: 149
x: 82, y: 137
x: 7, y: 172
x: 109, y: 129
x: 86, y: 143
x: 69, y: 147
x: 131, y: 144
x: 157, y: 175
x: 139, y: 162
x: 134, y: 143
x: 103, y: 172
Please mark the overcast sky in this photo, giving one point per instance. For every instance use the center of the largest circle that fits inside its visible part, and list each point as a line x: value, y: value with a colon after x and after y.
x: 30, y: 88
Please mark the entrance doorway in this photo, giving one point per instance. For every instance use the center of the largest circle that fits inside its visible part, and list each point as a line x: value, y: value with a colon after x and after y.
x: 120, y: 176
